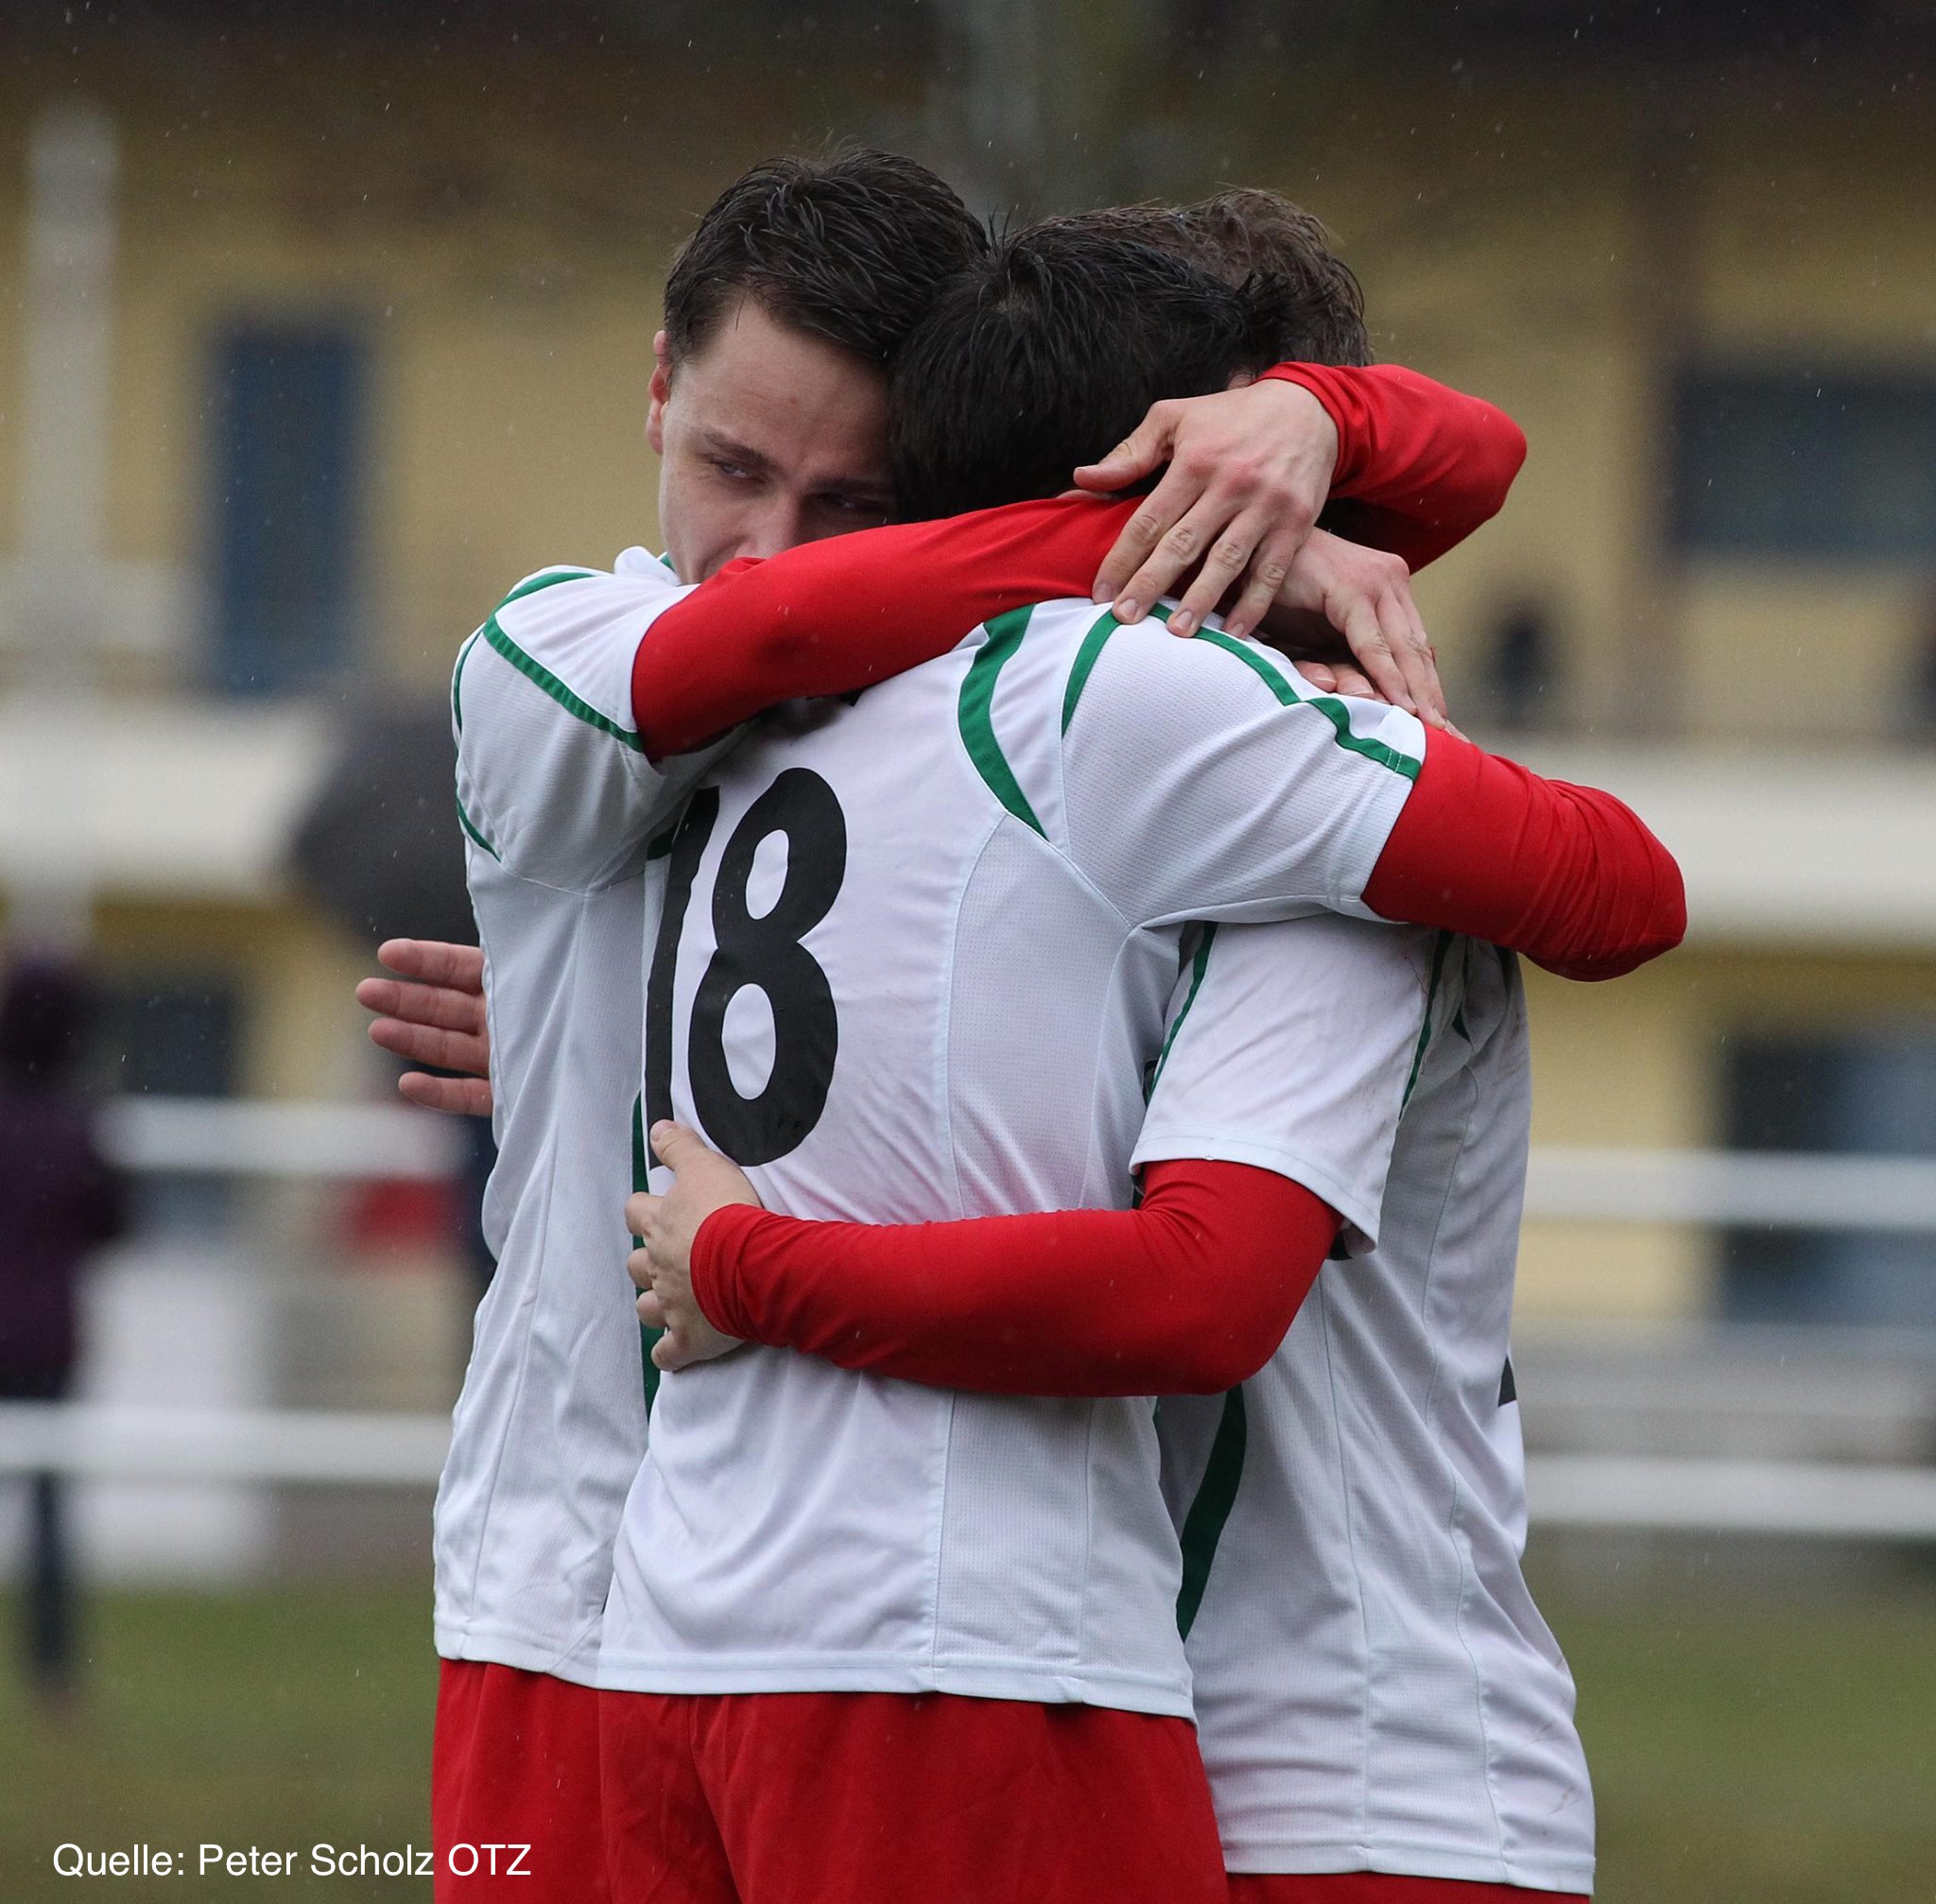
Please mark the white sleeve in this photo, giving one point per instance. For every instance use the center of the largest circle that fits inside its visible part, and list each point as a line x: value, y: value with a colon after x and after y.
x: 1291, y: 1048
x: 553, y: 781
x: 1205, y: 779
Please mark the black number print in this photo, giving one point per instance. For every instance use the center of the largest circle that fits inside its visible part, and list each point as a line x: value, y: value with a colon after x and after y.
x: 763, y: 951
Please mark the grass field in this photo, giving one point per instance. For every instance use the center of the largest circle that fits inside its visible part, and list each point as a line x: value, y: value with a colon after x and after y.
x: 1776, y: 1751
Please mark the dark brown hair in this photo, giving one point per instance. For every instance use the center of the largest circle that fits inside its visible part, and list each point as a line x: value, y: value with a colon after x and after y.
x: 1246, y: 233
x: 851, y: 248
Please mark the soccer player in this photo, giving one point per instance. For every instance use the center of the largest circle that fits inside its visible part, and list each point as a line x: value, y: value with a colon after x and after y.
x: 941, y: 1006
x: 1382, y: 1714
x: 768, y: 412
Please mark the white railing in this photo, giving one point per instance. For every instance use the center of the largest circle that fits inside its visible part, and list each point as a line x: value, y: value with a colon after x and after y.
x: 1819, y: 1499
x: 1814, y: 1499
x: 1780, y: 1189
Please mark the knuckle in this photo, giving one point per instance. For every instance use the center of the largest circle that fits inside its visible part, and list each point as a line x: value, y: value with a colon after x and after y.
x: 1270, y: 572
x: 1183, y: 541
x: 1144, y: 528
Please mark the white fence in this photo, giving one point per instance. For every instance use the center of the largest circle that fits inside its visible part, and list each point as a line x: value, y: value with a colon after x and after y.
x: 1819, y: 1499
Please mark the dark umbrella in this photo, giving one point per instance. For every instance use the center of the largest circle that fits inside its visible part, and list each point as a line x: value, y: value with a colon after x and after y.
x: 379, y: 847
x: 380, y: 851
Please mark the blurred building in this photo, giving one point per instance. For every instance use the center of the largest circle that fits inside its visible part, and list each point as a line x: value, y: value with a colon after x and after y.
x: 323, y: 324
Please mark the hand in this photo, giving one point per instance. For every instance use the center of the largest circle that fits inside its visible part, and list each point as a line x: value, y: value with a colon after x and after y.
x: 1340, y: 589
x: 702, y: 1181
x: 1249, y: 470
x: 435, y: 1017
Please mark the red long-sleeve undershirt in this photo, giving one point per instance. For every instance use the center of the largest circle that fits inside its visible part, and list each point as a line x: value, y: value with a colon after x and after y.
x: 1419, y: 466
x: 1188, y: 1294
x: 1567, y: 875
x: 1423, y: 465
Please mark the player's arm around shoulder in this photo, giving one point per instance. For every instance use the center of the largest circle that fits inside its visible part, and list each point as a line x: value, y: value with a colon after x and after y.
x: 553, y: 780
x: 1205, y: 778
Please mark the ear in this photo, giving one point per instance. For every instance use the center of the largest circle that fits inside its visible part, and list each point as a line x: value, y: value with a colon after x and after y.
x: 660, y: 390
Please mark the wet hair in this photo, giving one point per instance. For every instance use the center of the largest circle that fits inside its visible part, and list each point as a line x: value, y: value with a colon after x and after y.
x: 851, y: 248
x: 1247, y: 231
x: 1045, y: 354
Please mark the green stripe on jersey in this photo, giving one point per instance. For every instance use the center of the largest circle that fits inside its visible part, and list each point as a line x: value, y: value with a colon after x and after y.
x: 536, y: 671
x: 1425, y: 1030
x: 1331, y: 708
x: 639, y: 1182
x: 457, y: 681
x: 1210, y: 1512
x: 1005, y: 632
x: 469, y: 825
x: 1197, y: 966
x: 545, y: 579
x: 1086, y: 657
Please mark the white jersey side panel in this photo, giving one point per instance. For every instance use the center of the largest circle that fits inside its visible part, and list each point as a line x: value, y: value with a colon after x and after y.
x: 1375, y: 1688
x: 560, y: 807
x: 913, y: 968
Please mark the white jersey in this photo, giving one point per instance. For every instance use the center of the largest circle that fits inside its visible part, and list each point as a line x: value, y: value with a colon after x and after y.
x: 916, y: 955
x: 1375, y: 1687
x: 558, y: 805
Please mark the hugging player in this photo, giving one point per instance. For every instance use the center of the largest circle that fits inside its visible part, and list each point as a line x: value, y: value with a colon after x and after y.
x: 558, y: 963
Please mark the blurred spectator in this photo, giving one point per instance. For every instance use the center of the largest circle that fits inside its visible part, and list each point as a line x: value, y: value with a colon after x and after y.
x: 1921, y: 722
x: 1521, y: 670
x: 59, y: 1200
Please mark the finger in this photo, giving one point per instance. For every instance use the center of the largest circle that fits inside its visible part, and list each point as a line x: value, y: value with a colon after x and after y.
x: 640, y: 1209
x: 1269, y: 566
x: 464, y: 1097
x: 1321, y: 677
x: 676, y: 1147
x: 440, y: 1005
x: 1356, y: 617
x: 1229, y: 556
x: 670, y: 1352
x: 1351, y: 682
x: 1397, y: 631
x: 427, y: 1045
x: 1144, y: 552
x: 1139, y: 453
x: 638, y: 1265
x: 1419, y: 662
x: 435, y: 962
x: 651, y: 1310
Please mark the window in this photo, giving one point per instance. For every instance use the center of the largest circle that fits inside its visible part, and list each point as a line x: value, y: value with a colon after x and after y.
x: 1871, y: 1093
x: 1838, y: 464
x: 288, y: 440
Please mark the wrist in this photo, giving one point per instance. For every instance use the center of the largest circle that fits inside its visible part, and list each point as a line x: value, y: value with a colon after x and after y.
x: 713, y: 1267
x: 1319, y: 410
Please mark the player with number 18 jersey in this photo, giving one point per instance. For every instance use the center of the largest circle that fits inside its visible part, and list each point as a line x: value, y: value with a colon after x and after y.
x: 912, y: 965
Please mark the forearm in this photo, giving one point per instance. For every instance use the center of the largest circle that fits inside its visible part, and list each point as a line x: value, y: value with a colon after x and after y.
x: 1189, y: 1293
x: 1567, y: 875
x: 1420, y: 466
x: 833, y: 616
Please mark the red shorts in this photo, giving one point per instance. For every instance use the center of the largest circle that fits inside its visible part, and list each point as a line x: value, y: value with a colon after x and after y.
x: 866, y: 1798
x: 514, y: 1788
x: 1375, y: 1887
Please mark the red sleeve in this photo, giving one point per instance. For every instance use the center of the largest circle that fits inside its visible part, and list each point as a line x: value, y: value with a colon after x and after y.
x: 833, y: 617
x: 1566, y: 875
x: 1420, y: 466
x: 1191, y: 1293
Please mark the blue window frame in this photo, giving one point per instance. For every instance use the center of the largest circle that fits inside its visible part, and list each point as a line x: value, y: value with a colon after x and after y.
x: 288, y: 421
x: 1805, y: 462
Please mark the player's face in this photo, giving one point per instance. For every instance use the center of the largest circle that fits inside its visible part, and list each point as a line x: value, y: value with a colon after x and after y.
x: 767, y: 438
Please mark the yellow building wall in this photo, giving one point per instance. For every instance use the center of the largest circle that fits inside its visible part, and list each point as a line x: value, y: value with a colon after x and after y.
x: 1640, y: 1062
